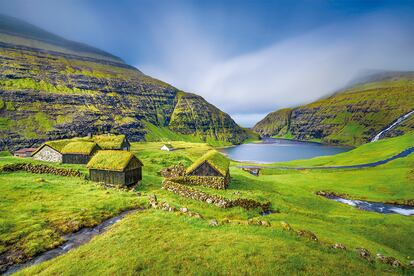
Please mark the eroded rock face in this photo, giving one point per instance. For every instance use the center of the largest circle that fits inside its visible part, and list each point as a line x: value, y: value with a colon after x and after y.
x: 45, y: 95
x: 350, y: 117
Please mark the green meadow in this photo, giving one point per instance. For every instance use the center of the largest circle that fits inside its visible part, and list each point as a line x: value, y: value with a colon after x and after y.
x: 159, y: 242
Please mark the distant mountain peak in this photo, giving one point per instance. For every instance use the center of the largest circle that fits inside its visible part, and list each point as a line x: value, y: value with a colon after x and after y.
x: 19, y: 32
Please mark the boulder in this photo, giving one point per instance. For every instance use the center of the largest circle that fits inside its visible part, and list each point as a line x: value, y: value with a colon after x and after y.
x: 213, y: 222
x: 286, y: 226
x: 307, y: 234
x: 363, y: 253
x: 339, y: 246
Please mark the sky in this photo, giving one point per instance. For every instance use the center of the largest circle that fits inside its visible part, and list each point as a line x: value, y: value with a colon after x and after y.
x: 246, y: 57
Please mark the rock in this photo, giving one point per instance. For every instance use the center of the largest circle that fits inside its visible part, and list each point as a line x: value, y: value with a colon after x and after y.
x: 265, y: 223
x: 339, y: 246
x: 213, y: 222
x: 286, y: 226
x: 184, y: 209
x: 307, y: 234
x: 396, y: 263
x: 411, y: 263
x: 363, y: 253
x: 153, y: 198
x: 197, y: 215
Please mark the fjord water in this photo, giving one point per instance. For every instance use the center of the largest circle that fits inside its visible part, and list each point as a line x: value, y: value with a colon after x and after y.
x: 278, y: 150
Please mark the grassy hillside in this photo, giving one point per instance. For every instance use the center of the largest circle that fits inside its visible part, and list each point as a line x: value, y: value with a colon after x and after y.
x: 47, y: 93
x: 58, y: 205
x: 158, y: 242
x: 367, y: 153
x: 349, y: 117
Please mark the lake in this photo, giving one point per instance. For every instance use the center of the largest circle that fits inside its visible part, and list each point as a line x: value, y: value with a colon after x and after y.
x: 279, y: 150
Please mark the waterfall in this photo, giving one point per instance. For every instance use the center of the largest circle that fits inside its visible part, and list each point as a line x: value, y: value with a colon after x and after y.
x: 397, y: 122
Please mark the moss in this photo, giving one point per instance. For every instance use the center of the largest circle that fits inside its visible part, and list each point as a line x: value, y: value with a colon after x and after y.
x: 80, y: 147
x: 113, y: 160
x: 109, y: 141
x: 124, y: 120
x: 31, y: 84
x: 215, y: 159
x: 44, y: 122
x: 4, y: 123
x: 59, y: 144
x: 10, y: 106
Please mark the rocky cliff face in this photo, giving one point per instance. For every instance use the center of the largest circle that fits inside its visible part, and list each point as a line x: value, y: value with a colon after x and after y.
x: 49, y: 94
x: 349, y: 117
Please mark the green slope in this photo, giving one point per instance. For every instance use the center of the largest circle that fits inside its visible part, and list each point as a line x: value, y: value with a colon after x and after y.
x: 158, y: 242
x: 53, y: 88
x: 350, y: 117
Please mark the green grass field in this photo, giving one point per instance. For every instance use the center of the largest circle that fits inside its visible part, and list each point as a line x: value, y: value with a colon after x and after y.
x: 157, y: 242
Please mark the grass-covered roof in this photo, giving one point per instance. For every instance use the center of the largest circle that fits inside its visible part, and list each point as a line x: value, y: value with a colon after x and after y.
x: 104, y: 141
x: 215, y: 159
x: 79, y: 147
x: 111, y: 160
x: 109, y: 141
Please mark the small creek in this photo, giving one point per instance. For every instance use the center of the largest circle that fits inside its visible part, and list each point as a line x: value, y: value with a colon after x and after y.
x: 379, y: 207
x: 72, y: 241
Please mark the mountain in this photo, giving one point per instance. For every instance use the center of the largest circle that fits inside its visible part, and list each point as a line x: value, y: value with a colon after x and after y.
x: 53, y: 88
x: 352, y: 116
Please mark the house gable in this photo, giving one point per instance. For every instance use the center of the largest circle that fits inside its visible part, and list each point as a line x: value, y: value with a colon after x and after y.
x: 48, y: 154
x: 205, y: 169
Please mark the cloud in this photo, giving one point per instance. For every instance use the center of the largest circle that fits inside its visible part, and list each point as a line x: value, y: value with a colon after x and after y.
x: 287, y: 73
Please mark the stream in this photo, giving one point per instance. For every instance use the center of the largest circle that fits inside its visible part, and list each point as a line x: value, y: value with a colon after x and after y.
x: 72, y: 241
x: 397, y: 122
x: 379, y: 207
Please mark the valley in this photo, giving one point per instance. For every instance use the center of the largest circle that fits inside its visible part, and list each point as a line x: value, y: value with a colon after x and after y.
x: 145, y: 234
x: 105, y: 170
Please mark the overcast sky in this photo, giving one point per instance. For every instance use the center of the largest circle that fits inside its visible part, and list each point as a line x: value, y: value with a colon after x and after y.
x: 246, y: 57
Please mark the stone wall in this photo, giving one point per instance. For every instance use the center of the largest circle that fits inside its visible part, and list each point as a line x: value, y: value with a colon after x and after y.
x: 215, y: 182
x: 177, y: 173
x: 48, y: 154
x: 217, y: 200
x: 42, y: 169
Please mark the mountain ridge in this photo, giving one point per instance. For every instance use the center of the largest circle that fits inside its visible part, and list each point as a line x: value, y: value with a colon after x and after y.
x: 352, y: 116
x: 52, y: 93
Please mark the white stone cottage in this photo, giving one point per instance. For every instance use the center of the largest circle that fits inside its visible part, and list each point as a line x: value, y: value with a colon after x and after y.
x: 47, y: 153
x: 167, y: 147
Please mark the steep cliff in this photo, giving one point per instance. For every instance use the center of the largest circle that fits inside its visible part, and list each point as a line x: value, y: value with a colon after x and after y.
x: 53, y: 88
x: 352, y: 116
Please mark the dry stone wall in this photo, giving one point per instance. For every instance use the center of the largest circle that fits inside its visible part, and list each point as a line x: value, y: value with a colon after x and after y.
x: 215, y: 182
x: 219, y: 201
x: 41, y: 169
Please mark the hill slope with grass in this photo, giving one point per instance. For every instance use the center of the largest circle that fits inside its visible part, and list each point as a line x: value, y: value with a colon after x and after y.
x: 54, y: 88
x: 352, y: 116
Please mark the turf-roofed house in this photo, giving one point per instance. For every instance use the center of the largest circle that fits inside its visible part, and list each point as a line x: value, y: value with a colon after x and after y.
x: 112, y: 142
x: 78, y: 152
x: 50, y: 151
x: 114, y: 167
x: 211, y: 167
